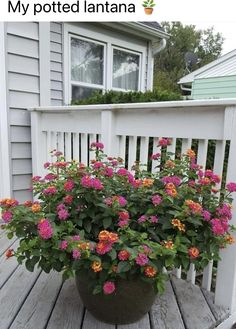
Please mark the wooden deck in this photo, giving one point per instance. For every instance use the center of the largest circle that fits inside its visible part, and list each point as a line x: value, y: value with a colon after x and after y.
x: 40, y: 301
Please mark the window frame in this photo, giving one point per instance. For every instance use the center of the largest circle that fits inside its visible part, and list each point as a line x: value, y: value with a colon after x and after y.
x: 110, y: 39
x: 86, y: 84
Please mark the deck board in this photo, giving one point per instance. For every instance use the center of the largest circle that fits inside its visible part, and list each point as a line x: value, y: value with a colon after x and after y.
x: 14, y: 293
x: 165, y: 312
x: 36, y: 310
x: 7, y: 266
x: 68, y: 310
x: 193, y: 306
x: 40, y: 301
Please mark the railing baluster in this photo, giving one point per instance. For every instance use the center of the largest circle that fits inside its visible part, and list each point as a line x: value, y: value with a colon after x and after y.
x: 177, y: 272
x: 68, y: 146
x: 191, y: 275
x: 207, y: 276
x: 186, y: 144
x: 202, y: 152
x: 60, y: 142
x: 171, y: 148
x: 156, y: 149
x: 53, y: 140
x: 122, y: 142
x: 76, y: 146
x: 132, y: 151
x: 49, y: 145
x: 84, y: 149
x: 144, y: 151
x: 92, y: 138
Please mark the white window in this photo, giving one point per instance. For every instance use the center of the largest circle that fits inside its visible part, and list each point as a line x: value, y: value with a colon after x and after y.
x: 126, y: 70
x: 87, y: 67
x: 99, y: 60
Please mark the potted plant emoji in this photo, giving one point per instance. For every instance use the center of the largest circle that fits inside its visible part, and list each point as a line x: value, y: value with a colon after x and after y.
x: 148, y: 6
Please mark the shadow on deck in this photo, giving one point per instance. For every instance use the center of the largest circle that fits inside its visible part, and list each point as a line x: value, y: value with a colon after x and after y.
x: 40, y: 301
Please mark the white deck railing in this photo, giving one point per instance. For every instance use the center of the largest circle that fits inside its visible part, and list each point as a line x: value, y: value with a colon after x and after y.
x: 122, y: 126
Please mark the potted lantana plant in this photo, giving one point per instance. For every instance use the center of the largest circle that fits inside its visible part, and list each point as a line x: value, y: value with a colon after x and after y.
x: 116, y: 230
x: 148, y: 6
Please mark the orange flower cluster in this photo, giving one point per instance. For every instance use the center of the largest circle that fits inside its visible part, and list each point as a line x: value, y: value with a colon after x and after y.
x: 36, y: 207
x: 150, y: 271
x: 170, y: 164
x: 96, y: 266
x: 84, y: 245
x: 191, y: 153
x: 229, y: 239
x: 194, y: 206
x: 148, y: 182
x: 9, y: 253
x: 169, y: 244
x: 9, y: 202
x: 177, y: 223
x: 193, y: 252
x: 108, y: 236
x: 171, y: 189
x: 106, y: 240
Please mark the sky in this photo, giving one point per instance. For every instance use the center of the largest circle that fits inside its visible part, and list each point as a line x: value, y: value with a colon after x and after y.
x: 227, y: 29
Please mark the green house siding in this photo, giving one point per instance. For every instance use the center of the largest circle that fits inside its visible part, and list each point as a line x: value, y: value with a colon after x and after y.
x: 217, y: 87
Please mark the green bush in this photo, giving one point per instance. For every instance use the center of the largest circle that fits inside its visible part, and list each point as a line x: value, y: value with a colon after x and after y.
x: 117, y: 97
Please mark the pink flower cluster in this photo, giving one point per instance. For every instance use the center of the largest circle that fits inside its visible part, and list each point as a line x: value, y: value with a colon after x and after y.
x: 7, y: 216
x: 206, y: 215
x: 164, y: 142
x: 155, y: 156
x: 50, y: 190
x: 156, y: 199
x: 225, y: 211
x: 151, y: 219
x: 231, y: 187
x: 50, y: 177
x: 62, y: 212
x: 97, y: 145
x: 90, y: 182
x: 141, y: 259
x: 76, y: 254
x: 123, y: 218
x: 171, y: 179
x: 109, y: 287
x: 120, y: 199
x: 69, y: 185
x: 219, y: 226
x: 45, y: 229
x: 63, y: 245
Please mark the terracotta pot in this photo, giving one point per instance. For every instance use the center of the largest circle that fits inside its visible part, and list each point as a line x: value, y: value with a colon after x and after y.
x: 131, y: 301
x: 148, y: 11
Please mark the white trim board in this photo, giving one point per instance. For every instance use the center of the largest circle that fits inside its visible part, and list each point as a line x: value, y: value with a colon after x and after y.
x: 5, y: 177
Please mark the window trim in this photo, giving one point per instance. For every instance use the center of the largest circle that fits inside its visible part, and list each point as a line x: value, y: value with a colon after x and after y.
x: 110, y: 39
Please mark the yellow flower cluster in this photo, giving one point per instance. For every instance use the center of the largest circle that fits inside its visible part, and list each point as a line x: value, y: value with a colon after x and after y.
x: 177, y: 223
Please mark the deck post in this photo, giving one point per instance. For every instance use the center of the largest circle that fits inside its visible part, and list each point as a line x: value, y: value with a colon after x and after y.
x: 39, y: 151
x: 108, y: 134
x: 225, y: 293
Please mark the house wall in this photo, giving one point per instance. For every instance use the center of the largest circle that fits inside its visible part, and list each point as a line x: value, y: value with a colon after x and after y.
x: 26, y: 77
x: 217, y: 87
x: 23, y: 89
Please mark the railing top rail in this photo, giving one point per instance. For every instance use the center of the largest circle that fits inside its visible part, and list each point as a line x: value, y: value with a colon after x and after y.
x: 216, y: 103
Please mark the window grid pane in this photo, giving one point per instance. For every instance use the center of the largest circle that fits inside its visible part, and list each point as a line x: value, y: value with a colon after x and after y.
x: 125, y: 70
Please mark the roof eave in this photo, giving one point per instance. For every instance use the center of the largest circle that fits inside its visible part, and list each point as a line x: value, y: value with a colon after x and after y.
x: 152, y: 32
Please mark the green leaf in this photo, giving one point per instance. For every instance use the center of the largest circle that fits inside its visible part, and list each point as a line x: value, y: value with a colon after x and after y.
x: 87, y: 225
x: 112, y: 254
x: 97, y: 290
x: 10, y: 235
x: 107, y: 222
x: 123, y: 267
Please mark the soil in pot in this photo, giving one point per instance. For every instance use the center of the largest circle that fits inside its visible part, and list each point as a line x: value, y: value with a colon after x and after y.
x: 132, y: 299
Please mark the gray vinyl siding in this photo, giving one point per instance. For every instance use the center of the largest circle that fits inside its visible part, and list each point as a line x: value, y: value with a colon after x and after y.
x: 23, y: 87
x: 56, y: 64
